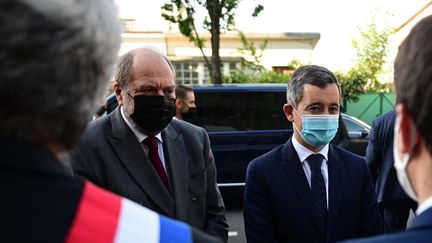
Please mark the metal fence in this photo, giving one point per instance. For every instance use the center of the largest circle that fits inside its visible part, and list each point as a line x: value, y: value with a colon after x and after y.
x: 371, y: 105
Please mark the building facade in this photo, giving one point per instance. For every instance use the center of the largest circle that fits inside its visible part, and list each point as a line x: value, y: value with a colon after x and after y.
x: 281, y: 50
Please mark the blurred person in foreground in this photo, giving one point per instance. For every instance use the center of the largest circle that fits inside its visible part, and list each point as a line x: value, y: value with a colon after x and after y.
x: 55, y: 59
x: 140, y: 152
x: 394, y: 203
x: 412, y: 148
x: 185, y: 104
x: 308, y: 190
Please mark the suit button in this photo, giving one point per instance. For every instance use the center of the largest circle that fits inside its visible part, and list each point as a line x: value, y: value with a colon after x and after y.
x: 194, y: 197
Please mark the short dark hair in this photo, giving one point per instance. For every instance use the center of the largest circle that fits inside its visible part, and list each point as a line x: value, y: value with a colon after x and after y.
x: 310, y: 74
x: 413, y: 77
x: 181, y: 91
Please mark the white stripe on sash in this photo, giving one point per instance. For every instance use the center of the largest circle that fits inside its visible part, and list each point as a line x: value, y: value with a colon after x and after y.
x: 137, y: 224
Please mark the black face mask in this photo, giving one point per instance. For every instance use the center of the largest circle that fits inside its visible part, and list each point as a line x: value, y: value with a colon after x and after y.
x: 153, y: 113
x: 189, y: 114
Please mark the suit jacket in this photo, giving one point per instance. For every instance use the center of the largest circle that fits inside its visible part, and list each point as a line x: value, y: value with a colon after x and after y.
x: 420, y: 231
x: 110, y: 156
x: 40, y: 200
x: 279, y: 207
x: 379, y: 157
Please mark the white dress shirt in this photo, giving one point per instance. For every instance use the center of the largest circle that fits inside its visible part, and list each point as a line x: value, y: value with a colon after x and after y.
x: 141, y: 137
x: 424, y: 206
x: 303, y: 153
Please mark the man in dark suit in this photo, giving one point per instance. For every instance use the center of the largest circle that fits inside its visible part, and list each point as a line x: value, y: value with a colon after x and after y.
x: 394, y: 204
x: 413, y: 131
x: 55, y: 60
x: 307, y: 190
x: 141, y: 153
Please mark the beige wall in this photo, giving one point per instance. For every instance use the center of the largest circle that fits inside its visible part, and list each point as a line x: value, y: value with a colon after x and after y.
x: 281, y: 50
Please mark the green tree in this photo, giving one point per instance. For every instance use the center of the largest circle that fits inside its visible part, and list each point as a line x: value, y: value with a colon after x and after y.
x: 252, y: 53
x: 220, y: 17
x: 371, y: 49
x: 241, y: 76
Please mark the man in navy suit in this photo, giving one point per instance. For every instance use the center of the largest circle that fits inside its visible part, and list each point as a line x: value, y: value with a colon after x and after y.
x: 413, y: 130
x: 307, y: 190
x: 393, y: 202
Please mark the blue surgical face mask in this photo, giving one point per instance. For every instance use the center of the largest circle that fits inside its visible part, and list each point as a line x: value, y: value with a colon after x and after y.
x: 318, y: 130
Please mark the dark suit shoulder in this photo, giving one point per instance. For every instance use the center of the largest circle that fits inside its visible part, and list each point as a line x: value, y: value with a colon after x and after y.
x: 96, y: 128
x: 385, y: 122
x: 269, y: 159
x: 345, y: 156
x: 186, y: 127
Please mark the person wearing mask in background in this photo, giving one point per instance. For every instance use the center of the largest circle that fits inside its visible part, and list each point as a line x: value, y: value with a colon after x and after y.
x: 185, y: 104
x: 56, y: 57
x: 308, y: 190
x: 394, y: 204
x: 412, y: 145
x: 141, y: 153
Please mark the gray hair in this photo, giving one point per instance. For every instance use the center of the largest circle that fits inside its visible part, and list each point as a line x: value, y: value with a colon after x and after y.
x: 55, y: 60
x: 310, y: 74
x: 124, y: 73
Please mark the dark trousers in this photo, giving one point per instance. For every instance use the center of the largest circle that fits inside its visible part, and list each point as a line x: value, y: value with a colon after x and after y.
x: 395, y: 214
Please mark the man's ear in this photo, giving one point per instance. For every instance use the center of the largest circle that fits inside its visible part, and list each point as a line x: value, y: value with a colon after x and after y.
x: 179, y: 103
x: 118, y: 93
x: 288, y: 110
x: 408, y: 131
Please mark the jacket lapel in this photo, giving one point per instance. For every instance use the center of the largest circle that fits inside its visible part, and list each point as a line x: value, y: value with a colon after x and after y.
x: 293, y: 168
x: 422, y: 221
x: 176, y: 160
x: 136, y: 162
x: 336, y: 181
x: 177, y: 170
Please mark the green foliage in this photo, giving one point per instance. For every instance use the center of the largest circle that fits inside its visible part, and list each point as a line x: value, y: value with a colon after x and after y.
x: 253, y: 54
x: 295, y: 63
x: 237, y: 77
x: 257, y: 10
x: 240, y: 77
x: 371, y: 51
x: 352, y: 84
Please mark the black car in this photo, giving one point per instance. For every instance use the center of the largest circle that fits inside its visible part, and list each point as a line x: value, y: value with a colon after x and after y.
x: 246, y: 121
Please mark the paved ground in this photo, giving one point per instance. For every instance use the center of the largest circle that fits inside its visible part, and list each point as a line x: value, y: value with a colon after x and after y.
x: 235, y: 220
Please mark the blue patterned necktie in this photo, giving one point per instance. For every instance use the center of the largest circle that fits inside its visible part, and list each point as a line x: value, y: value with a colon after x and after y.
x: 318, y: 188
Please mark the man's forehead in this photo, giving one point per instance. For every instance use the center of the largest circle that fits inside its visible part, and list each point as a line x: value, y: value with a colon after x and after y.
x: 151, y: 63
x: 323, y: 95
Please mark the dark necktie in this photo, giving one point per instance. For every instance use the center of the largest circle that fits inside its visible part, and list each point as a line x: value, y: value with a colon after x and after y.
x: 318, y: 187
x: 152, y: 144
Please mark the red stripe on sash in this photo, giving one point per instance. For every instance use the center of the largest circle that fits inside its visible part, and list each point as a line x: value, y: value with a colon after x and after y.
x: 96, y: 219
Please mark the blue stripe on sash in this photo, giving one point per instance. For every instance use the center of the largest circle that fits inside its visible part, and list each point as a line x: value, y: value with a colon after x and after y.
x: 173, y: 231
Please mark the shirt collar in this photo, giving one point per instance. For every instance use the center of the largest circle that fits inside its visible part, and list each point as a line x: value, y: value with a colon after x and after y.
x: 424, y: 206
x: 304, y: 152
x: 138, y: 134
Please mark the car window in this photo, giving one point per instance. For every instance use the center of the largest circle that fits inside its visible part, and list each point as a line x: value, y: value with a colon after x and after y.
x: 265, y: 111
x: 221, y: 111
x: 241, y: 110
x: 352, y: 126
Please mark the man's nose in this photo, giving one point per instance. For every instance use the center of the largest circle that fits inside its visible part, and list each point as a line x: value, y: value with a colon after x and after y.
x: 160, y: 92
